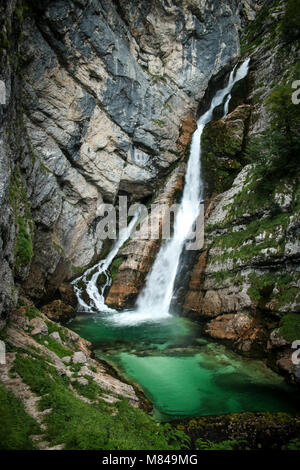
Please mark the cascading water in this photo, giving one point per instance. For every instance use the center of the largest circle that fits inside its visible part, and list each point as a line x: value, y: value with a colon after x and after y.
x: 154, y: 301
x: 97, y: 301
x: 156, y: 297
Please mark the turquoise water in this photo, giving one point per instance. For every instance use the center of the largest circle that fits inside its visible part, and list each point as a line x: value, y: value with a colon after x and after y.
x: 180, y: 372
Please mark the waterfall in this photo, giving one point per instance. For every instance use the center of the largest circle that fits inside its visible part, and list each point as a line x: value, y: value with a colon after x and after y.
x: 154, y: 301
x: 97, y: 301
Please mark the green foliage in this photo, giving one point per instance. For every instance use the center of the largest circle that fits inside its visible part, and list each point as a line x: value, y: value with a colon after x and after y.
x: 91, y: 426
x: 32, y: 312
x: 24, y: 249
x: 290, y: 24
x: 202, y: 444
x: 54, y: 346
x: 15, y: 424
x: 294, y: 444
x: 276, y: 152
x: 53, y: 327
x: 221, y: 152
x: 91, y: 390
x: 115, y: 265
x: 23, y: 219
x: 242, y: 243
x: 290, y: 327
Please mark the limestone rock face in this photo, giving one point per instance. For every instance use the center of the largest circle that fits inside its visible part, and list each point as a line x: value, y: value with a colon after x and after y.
x: 110, y: 91
x: 250, y: 278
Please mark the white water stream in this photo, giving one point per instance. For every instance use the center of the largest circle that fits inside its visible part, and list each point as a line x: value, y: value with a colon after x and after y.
x: 154, y: 300
x: 97, y: 301
x: 156, y: 296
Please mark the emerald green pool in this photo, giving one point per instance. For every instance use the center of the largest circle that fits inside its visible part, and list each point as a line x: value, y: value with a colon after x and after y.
x: 180, y: 372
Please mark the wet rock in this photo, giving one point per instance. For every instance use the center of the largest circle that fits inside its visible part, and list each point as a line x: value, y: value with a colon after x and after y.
x: 58, y: 311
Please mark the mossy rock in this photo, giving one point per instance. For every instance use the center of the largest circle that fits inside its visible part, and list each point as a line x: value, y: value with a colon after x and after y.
x: 115, y: 265
x: 290, y: 327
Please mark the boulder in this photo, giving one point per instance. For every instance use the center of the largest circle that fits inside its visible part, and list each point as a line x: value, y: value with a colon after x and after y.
x: 239, y: 328
x: 66, y: 359
x: 79, y: 358
x: 86, y: 371
x: 68, y: 295
x: 39, y: 327
x: 55, y: 335
x: 58, y: 311
x: 276, y: 340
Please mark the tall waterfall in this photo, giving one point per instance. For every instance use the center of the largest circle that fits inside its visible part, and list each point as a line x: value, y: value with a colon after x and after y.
x: 154, y: 301
x: 156, y: 296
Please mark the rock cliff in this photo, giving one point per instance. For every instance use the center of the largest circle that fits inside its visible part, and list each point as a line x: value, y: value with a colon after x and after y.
x: 247, y: 289
x: 100, y: 101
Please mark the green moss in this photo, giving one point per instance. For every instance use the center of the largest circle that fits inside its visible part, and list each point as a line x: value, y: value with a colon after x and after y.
x: 54, y: 346
x: 23, y: 248
x: 158, y: 122
x: 32, y: 312
x: 256, y: 33
x: 23, y: 219
x: 55, y: 327
x: 262, y: 288
x: 15, y: 424
x: 290, y: 327
x: 221, y: 153
x: 243, y: 243
x: 115, y: 265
